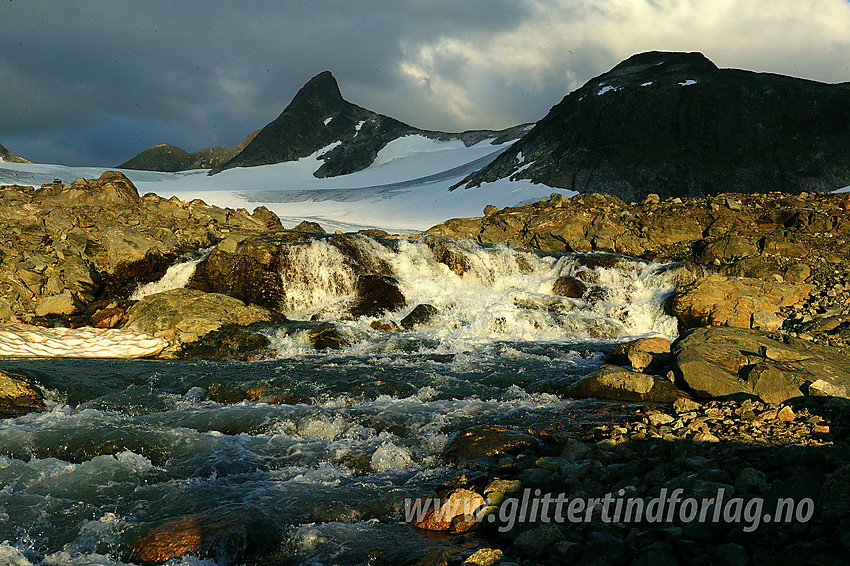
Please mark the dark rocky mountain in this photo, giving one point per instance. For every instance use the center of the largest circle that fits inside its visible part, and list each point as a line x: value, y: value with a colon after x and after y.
x: 677, y: 125
x: 319, y: 116
x: 7, y: 156
x: 170, y: 158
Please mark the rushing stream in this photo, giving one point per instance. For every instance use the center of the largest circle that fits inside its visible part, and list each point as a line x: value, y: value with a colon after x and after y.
x: 313, y: 451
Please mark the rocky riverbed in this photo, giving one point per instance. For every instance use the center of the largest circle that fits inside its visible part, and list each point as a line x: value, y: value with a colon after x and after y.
x: 738, y: 380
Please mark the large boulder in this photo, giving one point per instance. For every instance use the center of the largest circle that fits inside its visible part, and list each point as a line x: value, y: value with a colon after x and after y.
x: 619, y: 384
x: 18, y: 395
x: 723, y: 361
x: 225, y: 535
x: 455, y: 512
x: 183, y: 316
x: 476, y: 444
x: 717, y: 300
x: 112, y: 188
x: 279, y: 271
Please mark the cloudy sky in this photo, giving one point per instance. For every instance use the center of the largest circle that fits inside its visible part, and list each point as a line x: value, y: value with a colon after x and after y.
x: 96, y: 82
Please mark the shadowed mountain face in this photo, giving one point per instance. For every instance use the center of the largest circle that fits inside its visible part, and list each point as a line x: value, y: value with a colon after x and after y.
x: 319, y: 116
x: 170, y: 158
x: 676, y: 125
x: 316, y: 118
x: 7, y: 156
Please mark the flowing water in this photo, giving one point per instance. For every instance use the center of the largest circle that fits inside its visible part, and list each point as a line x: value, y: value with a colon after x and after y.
x: 314, y: 451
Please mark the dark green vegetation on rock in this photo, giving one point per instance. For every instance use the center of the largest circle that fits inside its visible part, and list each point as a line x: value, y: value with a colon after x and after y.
x: 676, y: 125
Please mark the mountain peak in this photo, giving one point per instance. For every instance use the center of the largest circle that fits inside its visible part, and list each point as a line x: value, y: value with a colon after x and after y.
x: 663, y: 62
x: 320, y: 91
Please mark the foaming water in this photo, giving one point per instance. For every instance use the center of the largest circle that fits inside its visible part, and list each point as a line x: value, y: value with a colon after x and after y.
x: 318, y: 280
x: 482, y: 294
x: 324, y: 448
x: 176, y: 277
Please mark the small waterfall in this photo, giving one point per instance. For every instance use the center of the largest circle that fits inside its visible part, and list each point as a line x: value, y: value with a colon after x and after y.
x: 318, y: 280
x: 482, y: 293
x: 176, y: 277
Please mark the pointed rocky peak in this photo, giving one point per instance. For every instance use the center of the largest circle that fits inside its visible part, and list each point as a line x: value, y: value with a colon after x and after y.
x: 322, y: 91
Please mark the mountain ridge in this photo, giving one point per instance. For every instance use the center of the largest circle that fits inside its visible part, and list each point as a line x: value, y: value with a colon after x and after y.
x: 7, y: 156
x: 170, y: 158
x: 317, y: 117
x: 675, y: 124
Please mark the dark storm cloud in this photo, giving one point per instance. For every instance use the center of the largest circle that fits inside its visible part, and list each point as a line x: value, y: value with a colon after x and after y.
x: 99, y: 81
x: 203, y: 72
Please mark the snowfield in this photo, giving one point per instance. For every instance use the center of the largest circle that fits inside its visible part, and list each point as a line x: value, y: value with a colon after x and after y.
x: 405, y: 189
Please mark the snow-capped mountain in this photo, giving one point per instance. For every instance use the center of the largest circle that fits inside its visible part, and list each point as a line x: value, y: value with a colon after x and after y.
x: 317, y: 117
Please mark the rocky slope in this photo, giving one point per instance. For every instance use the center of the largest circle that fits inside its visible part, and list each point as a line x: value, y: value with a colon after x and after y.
x: 676, y: 125
x: 7, y: 156
x: 319, y: 116
x: 170, y: 158
x: 70, y: 250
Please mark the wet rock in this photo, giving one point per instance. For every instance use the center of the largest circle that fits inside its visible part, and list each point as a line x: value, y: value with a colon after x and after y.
x: 574, y: 450
x: 455, y: 512
x: 382, y: 326
x: 490, y: 210
x: 567, y: 286
x: 224, y: 535
x: 656, y: 350
x: 751, y: 480
x: 834, y: 498
x: 377, y: 295
x: 421, y: 314
x: 484, y: 557
x: 727, y: 301
x: 616, y: 383
x: 436, y: 558
x: 534, y: 542
x: 500, y: 489
x: 230, y: 341
x: 722, y: 361
x: 445, y: 252
x: 327, y: 336
x: 182, y: 316
x: 18, y: 395
x: 486, y: 441
x: 729, y: 554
